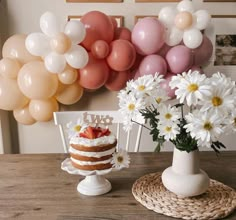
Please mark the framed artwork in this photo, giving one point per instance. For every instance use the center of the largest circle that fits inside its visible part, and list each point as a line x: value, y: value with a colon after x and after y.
x: 219, y: 0
x: 119, y: 19
x: 137, y: 17
x: 157, y: 0
x: 93, y: 1
x: 222, y: 33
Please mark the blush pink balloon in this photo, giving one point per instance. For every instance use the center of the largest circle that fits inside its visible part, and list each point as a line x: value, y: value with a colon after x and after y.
x: 100, y: 49
x: 137, y: 74
x: 117, y: 80
x: 163, y: 51
x: 179, y: 59
x: 95, y: 74
x: 203, y: 53
x: 165, y: 85
x: 152, y: 64
x: 122, y: 33
x: 197, y: 68
x: 122, y: 55
x: 148, y: 36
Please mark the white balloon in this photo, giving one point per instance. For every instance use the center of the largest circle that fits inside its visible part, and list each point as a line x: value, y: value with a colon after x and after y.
x: 49, y: 24
x: 185, y: 5
x: 37, y: 44
x: 173, y: 36
x: 202, y: 19
x: 77, y: 57
x: 167, y: 16
x: 75, y: 30
x: 55, y: 63
x: 192, y: 38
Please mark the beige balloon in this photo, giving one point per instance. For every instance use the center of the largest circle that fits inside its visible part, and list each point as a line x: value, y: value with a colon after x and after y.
x: 68, y: 76
x: 23, y: 116
x: 42, y: 110
x: 14, y: 47
x: 60, y: 43
x: 69, y: 94
x: 36, y: 82
x: 9, y: 67
x: 10, y: 95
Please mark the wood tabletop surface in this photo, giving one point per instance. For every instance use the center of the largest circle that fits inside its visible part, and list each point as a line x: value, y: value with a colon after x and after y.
x: 33, y: 186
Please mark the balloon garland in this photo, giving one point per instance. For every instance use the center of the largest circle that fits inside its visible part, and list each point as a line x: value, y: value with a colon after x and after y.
x: 40, y: 70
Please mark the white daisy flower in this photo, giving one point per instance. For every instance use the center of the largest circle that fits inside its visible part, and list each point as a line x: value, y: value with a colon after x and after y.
x: 120, y: 159
x: 75, y: 127
x: 232, y: 122
x: 158, y: 97
x: 221, y: 100
x: 205, y: 127
x: 169, y: 131
x: 191, y: 86
x: 221, y: 79
x: 168, y: 115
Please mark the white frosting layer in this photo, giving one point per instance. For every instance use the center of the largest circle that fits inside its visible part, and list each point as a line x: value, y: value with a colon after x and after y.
x: 92, y: 154
x: 93, y: 142
x: 84, y: 163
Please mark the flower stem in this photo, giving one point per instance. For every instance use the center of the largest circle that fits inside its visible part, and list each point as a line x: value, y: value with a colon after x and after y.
x: 141, y: 124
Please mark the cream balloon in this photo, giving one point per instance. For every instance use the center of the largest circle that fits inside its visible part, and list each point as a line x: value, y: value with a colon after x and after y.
x: 23, y: 116
x: 183, y: 20
x: 60, y: 43
x: 14, y: 47
x: 192, y: 38
x: 173, y: 36
x: 68, y: 76
x: 42, y: 110
x: 10, y: 95
x: 9, y: 68
x: 202, y: 19
x: 167, y: 16
x: 36, y: 82
x: 69, y: 94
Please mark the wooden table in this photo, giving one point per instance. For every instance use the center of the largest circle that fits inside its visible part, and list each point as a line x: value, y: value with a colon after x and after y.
x: 34, y: 187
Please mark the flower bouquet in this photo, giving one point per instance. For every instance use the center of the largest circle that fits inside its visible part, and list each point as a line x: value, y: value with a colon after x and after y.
x: 205, y: 110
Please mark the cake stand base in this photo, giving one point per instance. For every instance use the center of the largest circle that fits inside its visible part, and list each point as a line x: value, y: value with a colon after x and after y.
x: 94, y: 185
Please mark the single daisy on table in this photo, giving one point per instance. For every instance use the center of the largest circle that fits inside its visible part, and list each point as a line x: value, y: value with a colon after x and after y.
x: 205, y: 127
x: 168, y: 115
x: 120, y: 159
x: 192, y: 87
x: 75, y: 127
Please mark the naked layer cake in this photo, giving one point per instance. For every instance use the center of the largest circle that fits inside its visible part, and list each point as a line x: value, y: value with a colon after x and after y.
x: 92, y: 149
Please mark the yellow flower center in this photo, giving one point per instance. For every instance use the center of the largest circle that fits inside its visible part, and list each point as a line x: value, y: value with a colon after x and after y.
x: 234, y: 121
x: 158, y: 100
x: 168, y: 116
x: 216, y: 101
x: 120, y: 159
x: 192, y: 87
x: 131, y: 107
x: 77, y: 128
x: 168, y: 129
x: 141, y: 87
x: 208, y: 126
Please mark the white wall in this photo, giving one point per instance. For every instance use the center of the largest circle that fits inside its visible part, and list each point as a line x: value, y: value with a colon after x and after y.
x: 23, y: 17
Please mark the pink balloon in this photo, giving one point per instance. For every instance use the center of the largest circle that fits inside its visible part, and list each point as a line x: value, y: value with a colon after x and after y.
x: 117, y: 80
x: 152, y: 64
x: 122, y: 55
x: 163, y: 51
x: 204, y: 52
x: 122, y: 33
x: 148, y: 36
x: 100, y: 49
x: 179, y: 59
x: 137, y: 74
x: 165, y: 85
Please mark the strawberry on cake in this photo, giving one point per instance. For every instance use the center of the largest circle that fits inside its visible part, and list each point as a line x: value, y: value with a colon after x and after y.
x: 92, y: 149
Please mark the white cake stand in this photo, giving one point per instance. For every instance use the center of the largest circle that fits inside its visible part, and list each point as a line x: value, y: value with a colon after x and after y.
x: 94, y: 183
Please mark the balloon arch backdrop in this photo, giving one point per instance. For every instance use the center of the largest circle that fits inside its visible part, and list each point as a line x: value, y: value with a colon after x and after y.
x: 40, y: 70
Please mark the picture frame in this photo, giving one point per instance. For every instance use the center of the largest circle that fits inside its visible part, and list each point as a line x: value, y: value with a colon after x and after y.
x: 222, y: 34
x: 94, y: 1
x: 138, y: 17
x: 119, y: 19
x: 157, y: 0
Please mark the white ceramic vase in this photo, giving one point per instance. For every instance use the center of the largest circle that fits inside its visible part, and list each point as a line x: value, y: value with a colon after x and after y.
x: 184, y: 177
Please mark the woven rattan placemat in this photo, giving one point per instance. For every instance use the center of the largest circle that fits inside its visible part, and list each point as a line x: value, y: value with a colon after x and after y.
x: 218, y: 202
